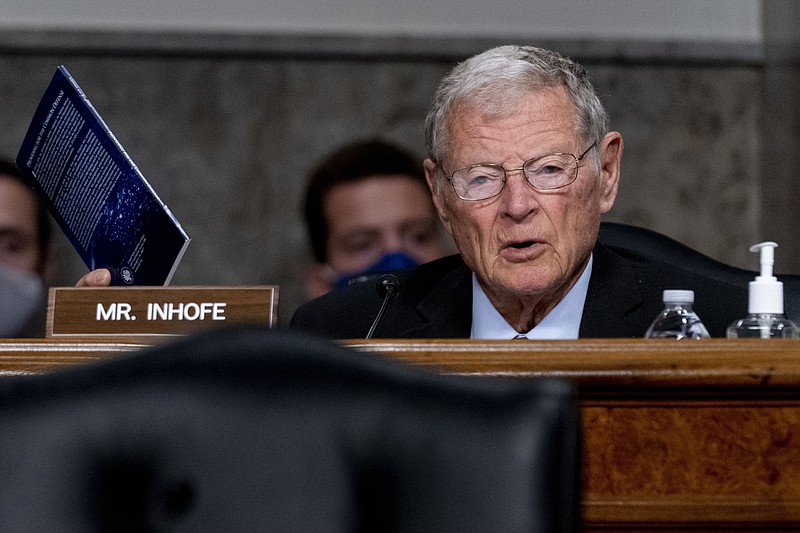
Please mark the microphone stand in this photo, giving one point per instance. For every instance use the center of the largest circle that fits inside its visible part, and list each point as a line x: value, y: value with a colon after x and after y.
x: 388, y: 287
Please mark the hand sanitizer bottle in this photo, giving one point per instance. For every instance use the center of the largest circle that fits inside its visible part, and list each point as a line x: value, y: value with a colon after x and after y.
x: 765, y: 306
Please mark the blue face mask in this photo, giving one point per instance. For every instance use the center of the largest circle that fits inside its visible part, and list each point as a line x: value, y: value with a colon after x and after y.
x: 20, y: 296
x: 388, y: 263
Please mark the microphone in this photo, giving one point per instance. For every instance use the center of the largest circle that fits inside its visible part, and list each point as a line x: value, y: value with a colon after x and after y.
x: 387, y: 287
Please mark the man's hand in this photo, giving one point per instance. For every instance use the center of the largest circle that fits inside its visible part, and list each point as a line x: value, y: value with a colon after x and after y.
x: 96, y: 278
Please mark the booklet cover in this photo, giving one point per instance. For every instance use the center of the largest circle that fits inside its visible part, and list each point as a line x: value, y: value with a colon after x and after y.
x: 95, y: 192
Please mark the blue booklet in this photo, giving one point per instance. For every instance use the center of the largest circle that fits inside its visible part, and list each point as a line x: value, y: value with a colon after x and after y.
x: 95, y: 192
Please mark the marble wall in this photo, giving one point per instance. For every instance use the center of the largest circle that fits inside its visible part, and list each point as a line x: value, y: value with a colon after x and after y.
x: 226, y: 139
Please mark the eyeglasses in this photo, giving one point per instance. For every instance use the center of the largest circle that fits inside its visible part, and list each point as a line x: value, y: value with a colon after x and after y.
x: 545, y: 173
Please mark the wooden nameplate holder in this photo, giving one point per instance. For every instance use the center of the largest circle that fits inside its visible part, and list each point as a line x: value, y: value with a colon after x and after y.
x: 156, y: 311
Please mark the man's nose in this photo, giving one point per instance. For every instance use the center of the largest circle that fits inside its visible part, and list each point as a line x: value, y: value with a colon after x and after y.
x: 393, y: 242
x: 519, y: 197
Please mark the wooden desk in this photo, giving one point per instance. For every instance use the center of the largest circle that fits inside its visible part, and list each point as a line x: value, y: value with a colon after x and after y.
x: 678, y: 435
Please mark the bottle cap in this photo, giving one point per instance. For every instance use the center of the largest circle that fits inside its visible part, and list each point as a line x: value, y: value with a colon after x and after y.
x: 766, y: 292
x: 678, y: 296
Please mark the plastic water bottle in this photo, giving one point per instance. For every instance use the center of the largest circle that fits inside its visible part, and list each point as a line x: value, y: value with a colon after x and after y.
x: 677, y: 320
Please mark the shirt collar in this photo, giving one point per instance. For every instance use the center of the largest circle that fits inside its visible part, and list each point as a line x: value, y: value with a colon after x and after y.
x: 563, y: 322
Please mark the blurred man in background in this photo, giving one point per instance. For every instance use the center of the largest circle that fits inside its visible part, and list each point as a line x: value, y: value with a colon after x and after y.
x: 368, y: 210
x: 24, y: 256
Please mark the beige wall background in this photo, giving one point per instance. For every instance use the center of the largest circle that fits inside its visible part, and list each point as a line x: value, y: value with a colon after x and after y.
x: 727, y: 20
x: 225, y: 108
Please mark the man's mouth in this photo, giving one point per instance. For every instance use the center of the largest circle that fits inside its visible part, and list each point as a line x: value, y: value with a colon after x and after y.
x: 522, y: 245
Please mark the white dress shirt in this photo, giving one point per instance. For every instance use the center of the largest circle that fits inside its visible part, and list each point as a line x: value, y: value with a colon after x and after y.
x: 563, y: 322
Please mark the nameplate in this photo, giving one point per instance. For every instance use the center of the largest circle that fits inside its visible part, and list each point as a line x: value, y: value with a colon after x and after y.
x: 132, y: 311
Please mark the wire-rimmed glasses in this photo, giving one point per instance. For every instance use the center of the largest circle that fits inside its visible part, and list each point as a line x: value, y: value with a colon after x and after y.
x: 544, y: 173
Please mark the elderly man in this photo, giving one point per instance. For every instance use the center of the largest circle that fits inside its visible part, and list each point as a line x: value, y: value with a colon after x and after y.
x: 521, y: 167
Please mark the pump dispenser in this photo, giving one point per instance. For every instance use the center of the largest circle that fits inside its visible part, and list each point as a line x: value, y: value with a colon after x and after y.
x: 765, y: 317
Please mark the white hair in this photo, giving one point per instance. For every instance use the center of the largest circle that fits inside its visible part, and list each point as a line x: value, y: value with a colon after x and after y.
x: 495, y: 82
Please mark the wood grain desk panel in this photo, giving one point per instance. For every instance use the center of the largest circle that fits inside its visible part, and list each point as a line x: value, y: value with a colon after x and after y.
x: 25, y: 356
x: 678, y: 436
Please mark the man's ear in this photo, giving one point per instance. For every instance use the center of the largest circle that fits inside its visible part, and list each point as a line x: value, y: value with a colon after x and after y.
x: 437, y: 194
x: 610, y: 162
x: 318, y: 280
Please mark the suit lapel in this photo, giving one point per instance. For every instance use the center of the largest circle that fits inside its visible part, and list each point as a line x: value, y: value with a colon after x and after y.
x: 612, y: 299
x: 446, y: 310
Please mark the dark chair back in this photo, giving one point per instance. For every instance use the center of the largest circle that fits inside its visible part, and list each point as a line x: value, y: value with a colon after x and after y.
x: 249, y: 430
x: 667, y: 250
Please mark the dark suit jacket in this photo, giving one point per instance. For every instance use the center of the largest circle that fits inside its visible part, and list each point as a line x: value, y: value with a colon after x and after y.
x: 435, y: 301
